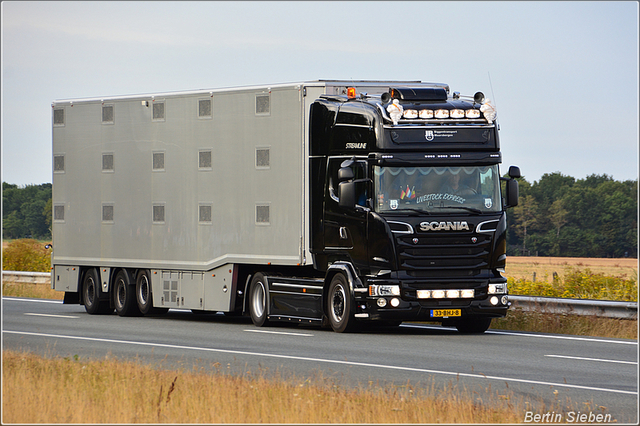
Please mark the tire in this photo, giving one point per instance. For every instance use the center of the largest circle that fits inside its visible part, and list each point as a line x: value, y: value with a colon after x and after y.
x: 473, y: 325
x: 91, y: 294
x: 340, y: 305
x: 124, y: 295
x: 258, y: 300
x: 144, y: 296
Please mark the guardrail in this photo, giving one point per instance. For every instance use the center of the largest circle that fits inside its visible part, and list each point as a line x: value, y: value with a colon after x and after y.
x: 552, y: 305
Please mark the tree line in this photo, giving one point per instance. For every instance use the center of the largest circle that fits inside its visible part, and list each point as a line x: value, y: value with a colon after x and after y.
x: 557, y: 216
x: 561, y: 216
x: 26, y: 211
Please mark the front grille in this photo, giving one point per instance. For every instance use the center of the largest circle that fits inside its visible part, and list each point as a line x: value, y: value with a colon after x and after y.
x: 444, y: 255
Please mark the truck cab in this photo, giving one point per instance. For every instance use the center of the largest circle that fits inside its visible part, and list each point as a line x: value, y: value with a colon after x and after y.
x: 412, y: 206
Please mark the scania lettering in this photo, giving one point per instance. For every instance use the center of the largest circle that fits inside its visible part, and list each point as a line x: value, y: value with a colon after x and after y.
x: 336, y: 203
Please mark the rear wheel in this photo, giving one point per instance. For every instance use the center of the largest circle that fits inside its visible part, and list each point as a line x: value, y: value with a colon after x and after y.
x: 258, y: 300
x: 144, y: 297
x: 124, y: 297
x: 91, y: 294
x: 340, y: 305
x: 473, y: 325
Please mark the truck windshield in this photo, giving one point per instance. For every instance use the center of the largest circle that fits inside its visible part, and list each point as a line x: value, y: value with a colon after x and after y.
x: 437, y: 189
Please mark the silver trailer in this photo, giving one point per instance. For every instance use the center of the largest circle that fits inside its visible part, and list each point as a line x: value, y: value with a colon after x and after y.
x: 195, y: 199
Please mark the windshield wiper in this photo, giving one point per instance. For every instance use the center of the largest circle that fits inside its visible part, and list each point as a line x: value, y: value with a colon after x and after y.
x: 399, y: 211
x: 471, y: 209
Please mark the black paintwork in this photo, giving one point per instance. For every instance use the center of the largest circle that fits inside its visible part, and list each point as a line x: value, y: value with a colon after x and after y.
x: 341, y: 129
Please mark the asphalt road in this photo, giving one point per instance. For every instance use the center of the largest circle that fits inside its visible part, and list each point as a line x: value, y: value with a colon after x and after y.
x: 569, y: 373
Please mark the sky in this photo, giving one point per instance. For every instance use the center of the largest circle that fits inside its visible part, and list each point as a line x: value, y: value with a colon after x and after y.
x: 562, y: 75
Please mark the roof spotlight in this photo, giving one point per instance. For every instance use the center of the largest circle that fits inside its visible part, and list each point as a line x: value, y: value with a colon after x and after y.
x: 478, y: 97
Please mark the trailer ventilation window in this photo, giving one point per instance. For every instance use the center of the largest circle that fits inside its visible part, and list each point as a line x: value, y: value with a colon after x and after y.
x: 58, y: 117
x: 158, y: 214
x: 58, y: 163
x: 107, y: 163
x: 263, y: 104
x: 262, y: 215
x: 204, y: 108
x: 107, y: 213
x: 170, y: 291
x: 204, y: 213
x: 204, y: 160
x: 107, y: 114
x: 262, y: 158
x: 158, y: 111
x: 158, y: 161
x: 58, y: 213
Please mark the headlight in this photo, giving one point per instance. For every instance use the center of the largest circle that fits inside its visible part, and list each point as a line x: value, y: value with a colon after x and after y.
x: 457, y: 113
x: 442, y: 113
x: 472, y: 113
x: 384, y: 290
x: 497, y: 288
x: 426, y: 113
x: 410, y: 113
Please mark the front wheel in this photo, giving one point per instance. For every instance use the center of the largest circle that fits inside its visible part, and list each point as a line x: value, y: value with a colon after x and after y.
x: 258, y: 300
x: 340, y: 305
x: 473, y: 325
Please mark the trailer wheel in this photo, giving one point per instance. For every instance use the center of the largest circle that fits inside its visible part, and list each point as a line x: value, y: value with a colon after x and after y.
x: 258, y: 301
x: 340, y: 305
x: 144, y: 297
x: 473, y: 325
x: 124, y: 297
x: 91, y: 294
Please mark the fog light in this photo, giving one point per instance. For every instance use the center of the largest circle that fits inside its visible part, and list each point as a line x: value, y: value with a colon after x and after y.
x: 467, y: 294
x: 504, y: 300
x: 382, y: 302
x: 423, y: 294
x: 453, y: 294
x: 494, y: 300
x: 395, y: 302
x: 437, y: 294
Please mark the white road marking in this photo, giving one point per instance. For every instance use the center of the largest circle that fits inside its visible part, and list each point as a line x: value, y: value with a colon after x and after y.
x: 327, y: 361
x: 280, y: 332
x: 50, y: 315
x: 15, y: 299
x: 592, y: 359
x: 517, y: 333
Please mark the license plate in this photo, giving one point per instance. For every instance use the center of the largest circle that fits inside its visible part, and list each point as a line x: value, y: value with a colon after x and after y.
x: 443, y: 313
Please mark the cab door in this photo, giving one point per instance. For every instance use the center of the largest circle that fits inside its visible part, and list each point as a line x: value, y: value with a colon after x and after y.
x: 345, y: 229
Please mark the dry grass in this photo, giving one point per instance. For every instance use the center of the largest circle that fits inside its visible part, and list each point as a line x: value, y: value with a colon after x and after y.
x: 31, y: 290
x: 540, y: 322
x: 39, y: 390
x: 544, y: 267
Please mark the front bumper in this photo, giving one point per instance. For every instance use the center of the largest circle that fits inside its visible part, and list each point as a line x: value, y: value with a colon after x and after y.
x: 407, y: 306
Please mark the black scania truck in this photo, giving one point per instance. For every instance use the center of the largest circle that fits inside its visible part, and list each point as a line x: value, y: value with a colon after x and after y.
x: 338, y: 203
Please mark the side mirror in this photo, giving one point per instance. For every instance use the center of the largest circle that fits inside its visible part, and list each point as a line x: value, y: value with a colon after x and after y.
x: 345, y: 173
x: 514, y: 172
x: 513, y: 193
x: 347, y: 194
